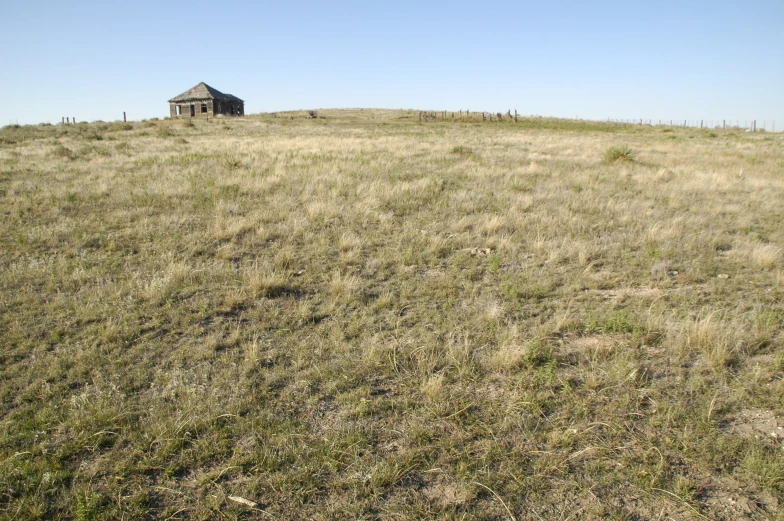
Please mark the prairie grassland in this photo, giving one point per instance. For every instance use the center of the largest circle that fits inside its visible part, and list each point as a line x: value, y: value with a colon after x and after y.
x: 363, y: 317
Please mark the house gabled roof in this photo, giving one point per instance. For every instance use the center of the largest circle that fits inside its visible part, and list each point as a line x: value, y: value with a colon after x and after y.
x: 203, y: 91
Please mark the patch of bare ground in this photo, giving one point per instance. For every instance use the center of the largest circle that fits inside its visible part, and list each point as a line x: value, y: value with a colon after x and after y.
x: 445, y: 492
x: 622, y: 294
x: 757, y: 423
x: 728, y: 499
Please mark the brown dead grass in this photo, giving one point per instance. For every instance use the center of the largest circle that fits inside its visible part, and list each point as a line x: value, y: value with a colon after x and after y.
x: 359, y: 316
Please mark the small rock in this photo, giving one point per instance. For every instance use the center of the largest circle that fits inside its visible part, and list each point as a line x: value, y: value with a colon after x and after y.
x: 243, y: 501
x: 722, y: 276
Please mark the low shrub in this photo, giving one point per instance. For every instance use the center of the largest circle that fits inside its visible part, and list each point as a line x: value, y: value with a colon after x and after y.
x: 461, y: 150
x: 619, y: 154
x: 64, y: 152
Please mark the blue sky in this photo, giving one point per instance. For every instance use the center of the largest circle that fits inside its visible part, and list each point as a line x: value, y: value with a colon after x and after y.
x: 655, y: 60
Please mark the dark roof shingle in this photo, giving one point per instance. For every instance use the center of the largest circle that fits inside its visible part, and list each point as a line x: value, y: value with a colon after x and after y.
x: 203, y: 91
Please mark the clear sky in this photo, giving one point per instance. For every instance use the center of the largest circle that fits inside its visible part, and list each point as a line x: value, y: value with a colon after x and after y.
x: 664, y: 60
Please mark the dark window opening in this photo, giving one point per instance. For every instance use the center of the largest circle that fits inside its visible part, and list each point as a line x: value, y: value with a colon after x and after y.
x: 193, y: 110
x: 203, y: 108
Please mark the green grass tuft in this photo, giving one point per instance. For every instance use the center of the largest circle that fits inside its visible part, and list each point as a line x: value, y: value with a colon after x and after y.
x: 462, y: 150
x: 619, y: 154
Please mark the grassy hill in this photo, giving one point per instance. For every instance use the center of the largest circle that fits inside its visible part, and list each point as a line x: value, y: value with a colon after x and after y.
x: 364, y: 317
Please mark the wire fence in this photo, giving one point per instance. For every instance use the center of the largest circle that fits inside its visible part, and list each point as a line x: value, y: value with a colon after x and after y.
x: 750, y: 125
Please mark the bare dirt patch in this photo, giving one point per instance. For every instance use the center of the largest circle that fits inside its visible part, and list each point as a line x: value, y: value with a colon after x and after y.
x: 626, y: 293
x: 758, y: 423
x: 446, y: 492
x: 727, y: 498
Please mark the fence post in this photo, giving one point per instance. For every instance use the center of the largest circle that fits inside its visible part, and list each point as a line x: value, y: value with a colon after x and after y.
x: 724, y: 124
x: 125, y: 120
x: 515, y: 115
x: 63, y: 120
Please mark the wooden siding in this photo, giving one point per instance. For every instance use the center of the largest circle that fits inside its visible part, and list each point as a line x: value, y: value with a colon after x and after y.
x: 214, y: 108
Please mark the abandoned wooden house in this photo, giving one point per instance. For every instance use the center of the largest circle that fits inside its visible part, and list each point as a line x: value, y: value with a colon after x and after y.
x: 203, y: 101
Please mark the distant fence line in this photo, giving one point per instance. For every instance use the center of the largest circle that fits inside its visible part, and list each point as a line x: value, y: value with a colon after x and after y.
x: 751, y: 124
x: 444, y: 115
x: 426, y: 116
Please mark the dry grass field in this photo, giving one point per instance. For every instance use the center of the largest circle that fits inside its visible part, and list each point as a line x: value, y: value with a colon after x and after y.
x: 364, y: 317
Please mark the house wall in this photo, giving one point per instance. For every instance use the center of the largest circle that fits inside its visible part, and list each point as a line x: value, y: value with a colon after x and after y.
x: 186, y: 109
x: 214, y: 108
x: 224, y: 108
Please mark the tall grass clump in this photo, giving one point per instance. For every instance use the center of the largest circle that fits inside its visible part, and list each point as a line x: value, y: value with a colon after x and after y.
x: 462, y: 150
x: 619, y: 154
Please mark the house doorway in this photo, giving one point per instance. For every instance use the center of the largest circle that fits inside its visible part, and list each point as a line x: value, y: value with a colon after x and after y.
x: 193, y: 111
